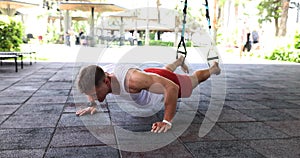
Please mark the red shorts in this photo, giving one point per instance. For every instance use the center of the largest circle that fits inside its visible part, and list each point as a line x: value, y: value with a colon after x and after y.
x: 183, y: 81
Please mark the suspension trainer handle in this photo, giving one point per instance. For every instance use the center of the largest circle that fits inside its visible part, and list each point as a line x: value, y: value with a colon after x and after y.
x: 184, y: 47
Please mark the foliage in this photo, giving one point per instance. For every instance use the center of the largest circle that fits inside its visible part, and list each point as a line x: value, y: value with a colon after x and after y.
x: 285, y: 54
x: 297, y: 40
x: 269, y: 9
x: 160, y: 43
x: 11, y: 33
x: 167, y: 44
x: 152, y: 35
x: 53, y: 35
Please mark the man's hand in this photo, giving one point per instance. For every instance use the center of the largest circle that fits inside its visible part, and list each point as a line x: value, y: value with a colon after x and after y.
x: 159, y: 127
x: 87, y: 110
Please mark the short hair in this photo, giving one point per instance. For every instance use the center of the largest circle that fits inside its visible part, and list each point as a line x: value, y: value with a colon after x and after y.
x: 89, y: 77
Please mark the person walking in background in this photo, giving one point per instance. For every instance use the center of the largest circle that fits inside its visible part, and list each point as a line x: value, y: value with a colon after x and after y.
x: 245, y: 42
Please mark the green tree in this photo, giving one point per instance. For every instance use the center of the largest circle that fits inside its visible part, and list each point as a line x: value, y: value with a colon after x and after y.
x: 269, y: 10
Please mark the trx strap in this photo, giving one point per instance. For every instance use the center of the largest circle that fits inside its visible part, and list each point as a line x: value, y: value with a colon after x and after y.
x: 209, y: 27
x: 182, y: 42
x: 207, y: 14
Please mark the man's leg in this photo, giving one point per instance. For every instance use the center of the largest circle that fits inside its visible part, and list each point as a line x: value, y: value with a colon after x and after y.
x: 172, y: 67
x: 202, y: 75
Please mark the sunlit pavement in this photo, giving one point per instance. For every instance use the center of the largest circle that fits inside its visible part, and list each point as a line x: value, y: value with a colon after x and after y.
x: 260, y: 117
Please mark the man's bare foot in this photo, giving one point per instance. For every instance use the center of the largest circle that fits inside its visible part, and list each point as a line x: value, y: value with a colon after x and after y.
x: 215, y: 69
x: 184, y: 67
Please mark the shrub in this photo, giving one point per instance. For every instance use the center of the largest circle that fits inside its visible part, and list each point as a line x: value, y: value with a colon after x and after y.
x: 285, y: 54
x: 11, y: 33
x: 160, y: 43
x: 167, y: 44
x: 297, y: 40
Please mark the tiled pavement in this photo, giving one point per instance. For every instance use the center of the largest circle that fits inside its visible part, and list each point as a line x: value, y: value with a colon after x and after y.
x: 260, y: 117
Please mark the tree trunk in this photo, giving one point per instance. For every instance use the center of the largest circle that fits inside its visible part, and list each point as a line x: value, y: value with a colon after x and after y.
x: 177, y: 21
x: 214, y: 24
x: 276, y: 27
x: 284, y: 17
x: 158, y: 11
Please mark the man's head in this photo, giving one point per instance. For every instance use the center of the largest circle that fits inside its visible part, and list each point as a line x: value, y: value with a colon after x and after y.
x: 92, y: 81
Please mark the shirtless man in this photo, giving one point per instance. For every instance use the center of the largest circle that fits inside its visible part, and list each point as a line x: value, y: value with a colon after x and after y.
x: 96, y: 84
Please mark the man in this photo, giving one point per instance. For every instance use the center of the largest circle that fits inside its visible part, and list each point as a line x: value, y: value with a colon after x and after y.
x: 142, y: 86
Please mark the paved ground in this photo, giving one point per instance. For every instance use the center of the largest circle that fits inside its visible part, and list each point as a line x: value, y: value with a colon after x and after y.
x: 260, y: 117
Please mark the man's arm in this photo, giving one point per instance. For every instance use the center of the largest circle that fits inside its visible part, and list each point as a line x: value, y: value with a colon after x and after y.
x: 139, y: 80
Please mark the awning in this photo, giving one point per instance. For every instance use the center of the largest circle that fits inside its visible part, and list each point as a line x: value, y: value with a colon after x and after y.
x: 9, y: 7
x: 15, y: 4
x: 92, y: 7
x: 87, y: 6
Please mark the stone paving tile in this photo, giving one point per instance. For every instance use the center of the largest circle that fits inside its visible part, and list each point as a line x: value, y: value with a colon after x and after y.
x: 175, y: 149
x: 252, y: 130
x: 293, y: 112
x: 222, y: 149
x: 279, y: 104
x: 136, y: 128
x: 56, y: 85
x: 247, y: 90
x: 123, y: 118
x: 204, y: 105
x: 26, y: 83
x: 39, y: 76
x: 83, y: 152
x: 245, y: 105
x: 22, y: 153
x: 70, y: 108
x: 62, y: 77
x: 277, y: 148
x: 191, y: 134
x: 134, y: 109
x: 16, y: 93
x: 291, y: 128
x: 25, y: 138
x: 185, y: 117
x: 37, y: 108
x: 237, y: 97
x: 241, y: 90
x: 71, y: 120
x: 139, y: 138
x: 228, y: 116
x: 12, y: 100
x: 31, y: 121
x: 8, y: 109
x: 47, y: 99
x: 3, y: 87
x: 3, y: 117
x: 24, y: 87
x: 82, y: 136
x: 35, y: 80
x: 267, y: 115
x: 295, y: 102
x: 9, y: 80
x: 60, y: 92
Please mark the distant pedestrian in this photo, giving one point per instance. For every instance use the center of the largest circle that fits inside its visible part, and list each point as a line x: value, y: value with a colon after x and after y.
x: 255, y: 39
x: 67, y: 38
